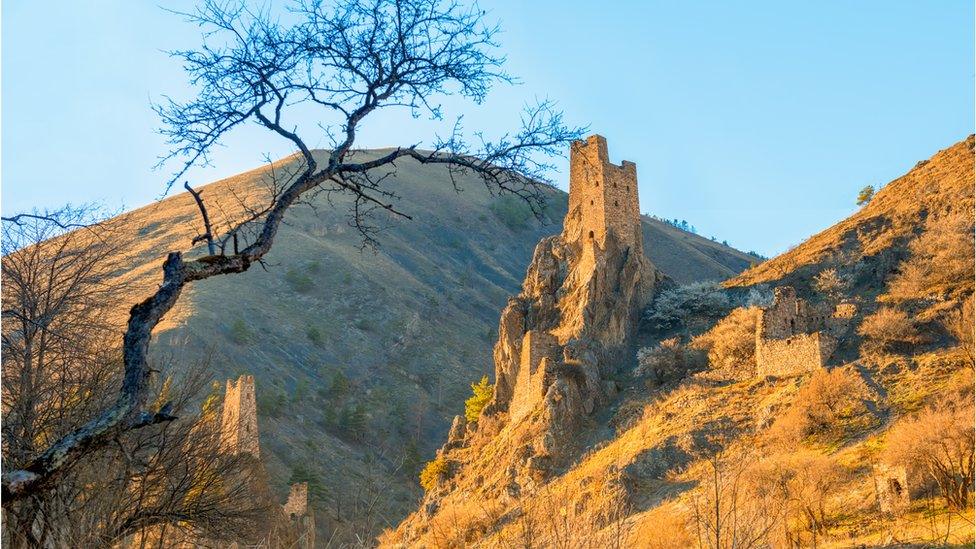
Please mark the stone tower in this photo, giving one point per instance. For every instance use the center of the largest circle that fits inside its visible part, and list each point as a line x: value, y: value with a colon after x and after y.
x: 239, y: 423
x: 602, y: 196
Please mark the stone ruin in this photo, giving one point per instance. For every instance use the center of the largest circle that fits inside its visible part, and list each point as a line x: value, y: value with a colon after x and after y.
x: 297, y: 503
x: 239, y: 434
x: 239, y: 419
x: 300, y: 529
x: 794, y: 337
x: 891, y: 487
x: 563, y: 336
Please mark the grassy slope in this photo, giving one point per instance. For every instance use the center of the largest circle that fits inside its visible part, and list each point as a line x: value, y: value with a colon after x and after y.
x: 409, y: 325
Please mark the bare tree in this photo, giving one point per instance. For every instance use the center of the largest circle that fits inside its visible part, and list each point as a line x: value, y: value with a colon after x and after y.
x: 350, y: 59
x: 727, y: 511
x: 59, y: 368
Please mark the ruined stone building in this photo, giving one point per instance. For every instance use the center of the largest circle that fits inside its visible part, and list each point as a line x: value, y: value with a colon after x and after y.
x: 583, y: 289
x: 604, y: 195
x: 562, y: 339
x: 239, y: 418
x: 292, y: 524
x: 793, y: 336
x: 891, y: 487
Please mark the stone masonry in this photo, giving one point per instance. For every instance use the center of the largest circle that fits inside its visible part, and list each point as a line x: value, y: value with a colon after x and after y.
x: 563, y: 335
x: 531, y: 381
x: 605, y: 194
x: 239, y: 422
x: 891, y: 486
x: 793, y: 337
x: 297, y: 502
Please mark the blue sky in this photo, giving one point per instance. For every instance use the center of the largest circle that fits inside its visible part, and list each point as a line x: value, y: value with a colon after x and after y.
x: 755, y: 121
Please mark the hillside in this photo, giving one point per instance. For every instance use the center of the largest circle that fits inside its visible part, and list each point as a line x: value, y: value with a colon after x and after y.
x: 361, y: 357
x: 820, y: 417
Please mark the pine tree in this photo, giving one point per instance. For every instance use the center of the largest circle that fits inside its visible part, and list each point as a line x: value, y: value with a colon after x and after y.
x: 481, y: 394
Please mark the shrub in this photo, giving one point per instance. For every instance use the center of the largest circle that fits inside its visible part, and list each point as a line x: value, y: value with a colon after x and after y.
x: 432, y: 473
x: 806, y: 484
x: 830, y: 406
x: 271, y: 404
x: 299, y: 281
x: 830, y: 284
x: 938, y: 442
x: 667, y: 360
x: 865, y: 195
x: 239, y: 333
x: 512, y: 211
x: 481, y: 395
x: 960, y: 323
x: 941, y: 261
x: 888, y: 329
x: 315, y: 335
x: 676, y: 306
x: 731, y: 343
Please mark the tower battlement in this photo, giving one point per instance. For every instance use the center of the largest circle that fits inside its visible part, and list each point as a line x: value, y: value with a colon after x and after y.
x: 602, y: 196
x: 239, y: 421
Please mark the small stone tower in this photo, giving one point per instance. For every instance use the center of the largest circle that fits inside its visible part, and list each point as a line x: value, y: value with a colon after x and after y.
x: 297, y: 503
x: 239, y: 423
x: 604, y: 194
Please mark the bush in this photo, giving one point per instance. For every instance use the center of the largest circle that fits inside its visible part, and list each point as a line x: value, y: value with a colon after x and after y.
x: 315, y: 335
x: 865, y: 195
x: 830, y: 284
x: 960, y: 323
x: 806, y: 485
x: 481, y: 396
x: 676, y: 306
x: 239, y: 332
x: 666, y: 361
x: 830, y: 406
x: 271, y: 404
x: 512, y: 211
x: 888, y: 329
x: 299, y: 281
x: 941, y: 261
x: 731, y: 344
x: 435, y: 471
x: 938, y: 442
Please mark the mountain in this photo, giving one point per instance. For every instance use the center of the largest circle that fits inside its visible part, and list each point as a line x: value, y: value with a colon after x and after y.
x: 823, y: 398
x: 361, y: 357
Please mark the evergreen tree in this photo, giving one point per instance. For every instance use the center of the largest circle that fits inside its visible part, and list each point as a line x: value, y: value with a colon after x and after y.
x: 481, y: 395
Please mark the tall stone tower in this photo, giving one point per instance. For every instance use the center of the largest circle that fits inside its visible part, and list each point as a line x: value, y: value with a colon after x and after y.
x: 239, y: 423
x: 602, y: 196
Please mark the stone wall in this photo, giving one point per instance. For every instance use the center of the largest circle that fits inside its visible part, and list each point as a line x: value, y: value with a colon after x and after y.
x: 794, y: 355
x: 239, y: 422
x: 602, y: 196
x: 538, y: 348
x: 297, y: 502
x: 891, y: 487
x: 791, y: 337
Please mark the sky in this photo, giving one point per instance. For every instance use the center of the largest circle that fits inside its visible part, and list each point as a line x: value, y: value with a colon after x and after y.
x: 757, y: 122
